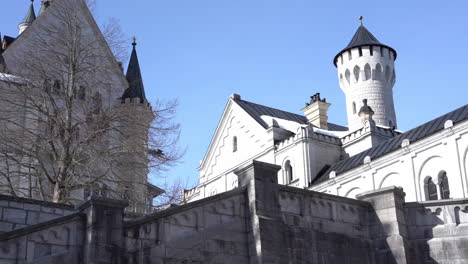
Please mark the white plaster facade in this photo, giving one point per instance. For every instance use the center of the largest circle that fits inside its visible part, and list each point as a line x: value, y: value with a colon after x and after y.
x: 316, y: 156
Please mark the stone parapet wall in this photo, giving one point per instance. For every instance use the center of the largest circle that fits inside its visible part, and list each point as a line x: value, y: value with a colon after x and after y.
x: 259, y: 222
x: 212, y: 230
x: 16, y: 212
x: 57, y: 241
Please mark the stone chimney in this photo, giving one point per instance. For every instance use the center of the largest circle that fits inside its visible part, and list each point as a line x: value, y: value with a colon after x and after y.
x: 316, y: 111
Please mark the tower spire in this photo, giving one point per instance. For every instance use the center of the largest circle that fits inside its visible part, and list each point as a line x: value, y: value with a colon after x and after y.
x: 135, y: 81
x: 28, y: 19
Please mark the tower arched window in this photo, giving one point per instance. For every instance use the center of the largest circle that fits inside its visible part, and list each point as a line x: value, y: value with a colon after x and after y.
x: 348, y: 76
x: 354, y: 108
x: 350, y: 55
x: 360, y: 51
x: 371, y: 50
x: 367, y: 72
x: 430, y: 189
x: 234, y: 144
x: 357, y: 72
x: 382, y: 51
x: 377, y: 72
x: 444, y: 185
x: 288, y: 169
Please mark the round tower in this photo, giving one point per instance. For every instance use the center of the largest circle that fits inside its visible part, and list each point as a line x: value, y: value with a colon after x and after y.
x: 366, y: 70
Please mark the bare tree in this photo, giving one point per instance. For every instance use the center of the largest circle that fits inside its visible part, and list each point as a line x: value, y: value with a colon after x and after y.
x: 64, y: 130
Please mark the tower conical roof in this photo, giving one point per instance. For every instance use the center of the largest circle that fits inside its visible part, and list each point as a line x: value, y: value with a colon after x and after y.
x: 363, y: 37
x: 135, y: 81
x: 31, y: 15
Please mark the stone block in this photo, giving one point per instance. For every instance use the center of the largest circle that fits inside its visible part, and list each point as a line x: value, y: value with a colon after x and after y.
x: 6, y: 227
x: 47, y: 209
x: 32, y: 218
x: 15, y: 205
x: 17, y: 216
x: 44, y: 217
x: 32, y: 207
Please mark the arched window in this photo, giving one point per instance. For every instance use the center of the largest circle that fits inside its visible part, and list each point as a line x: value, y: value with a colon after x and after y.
x: 382, y: 51
x: 354, y: 107
x: 430, y: 189
x: 367, y: 72
x: 360, y: 51
x: 288, y: 172
x: 444, y: 185
x: 348, y: 76
x: 356, y: 72
x: 234, y: 144
x: 377, y: 72
x: 350, y: 56
x: 371, y: 50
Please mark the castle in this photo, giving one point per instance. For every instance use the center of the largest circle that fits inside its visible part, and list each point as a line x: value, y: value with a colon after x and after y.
x: 272, y: 186
x: 73, y: 124
x: 429, y: 162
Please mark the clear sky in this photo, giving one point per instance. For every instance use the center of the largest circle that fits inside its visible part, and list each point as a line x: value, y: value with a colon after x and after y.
x: 279, y: 52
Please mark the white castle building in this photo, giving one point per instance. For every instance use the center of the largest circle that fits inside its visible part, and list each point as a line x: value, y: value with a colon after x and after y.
x: 429, y: 162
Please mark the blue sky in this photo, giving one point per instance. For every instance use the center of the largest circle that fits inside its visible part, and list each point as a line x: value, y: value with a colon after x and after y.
x: 279, y: 52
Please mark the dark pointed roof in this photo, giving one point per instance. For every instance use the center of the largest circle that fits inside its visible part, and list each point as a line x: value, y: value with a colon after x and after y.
x: 135, y: 81
x: 31, y: 15
x: 363, y: 37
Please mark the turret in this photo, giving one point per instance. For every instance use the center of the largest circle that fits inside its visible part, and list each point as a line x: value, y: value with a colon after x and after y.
x: 28, y: 19
x: 137, y: 117
x: 366, y: 70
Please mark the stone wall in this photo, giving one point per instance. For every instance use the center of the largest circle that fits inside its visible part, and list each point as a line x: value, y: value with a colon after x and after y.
x: 259, y: 222
x: 16, y: 213
x: 323, y: 228
x: 212, y: 230
x: 438, y: 231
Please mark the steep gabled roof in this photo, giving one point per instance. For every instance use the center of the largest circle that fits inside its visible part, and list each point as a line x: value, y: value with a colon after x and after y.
x: 135, y: 81
x: 394, y: 143
x: 256, y: 111
x: 363, y: 37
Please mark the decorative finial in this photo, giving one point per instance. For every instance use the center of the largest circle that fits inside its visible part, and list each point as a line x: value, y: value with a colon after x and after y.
x: 364, y: 101
x: 134, y: 41
x: 32, y: 1
x: 360, y: 19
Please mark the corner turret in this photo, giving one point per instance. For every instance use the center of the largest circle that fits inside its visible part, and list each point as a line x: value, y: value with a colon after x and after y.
x: 366, y: 70
x: 135, y: 81
x: 28, y: 19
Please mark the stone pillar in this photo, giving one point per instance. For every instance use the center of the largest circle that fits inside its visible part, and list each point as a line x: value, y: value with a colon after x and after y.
x: 104, y: 238
x: 387, y: 225
x: 267, y: 231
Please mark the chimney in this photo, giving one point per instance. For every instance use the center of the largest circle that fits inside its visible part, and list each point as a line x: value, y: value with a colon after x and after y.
x: 316, y: 111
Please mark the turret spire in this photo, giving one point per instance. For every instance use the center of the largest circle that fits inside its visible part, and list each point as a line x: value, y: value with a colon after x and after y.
x: 28, y: 19
x: 135, y: 81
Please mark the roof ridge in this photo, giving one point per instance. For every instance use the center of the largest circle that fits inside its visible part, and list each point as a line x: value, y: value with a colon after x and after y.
x: 271, y: 108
